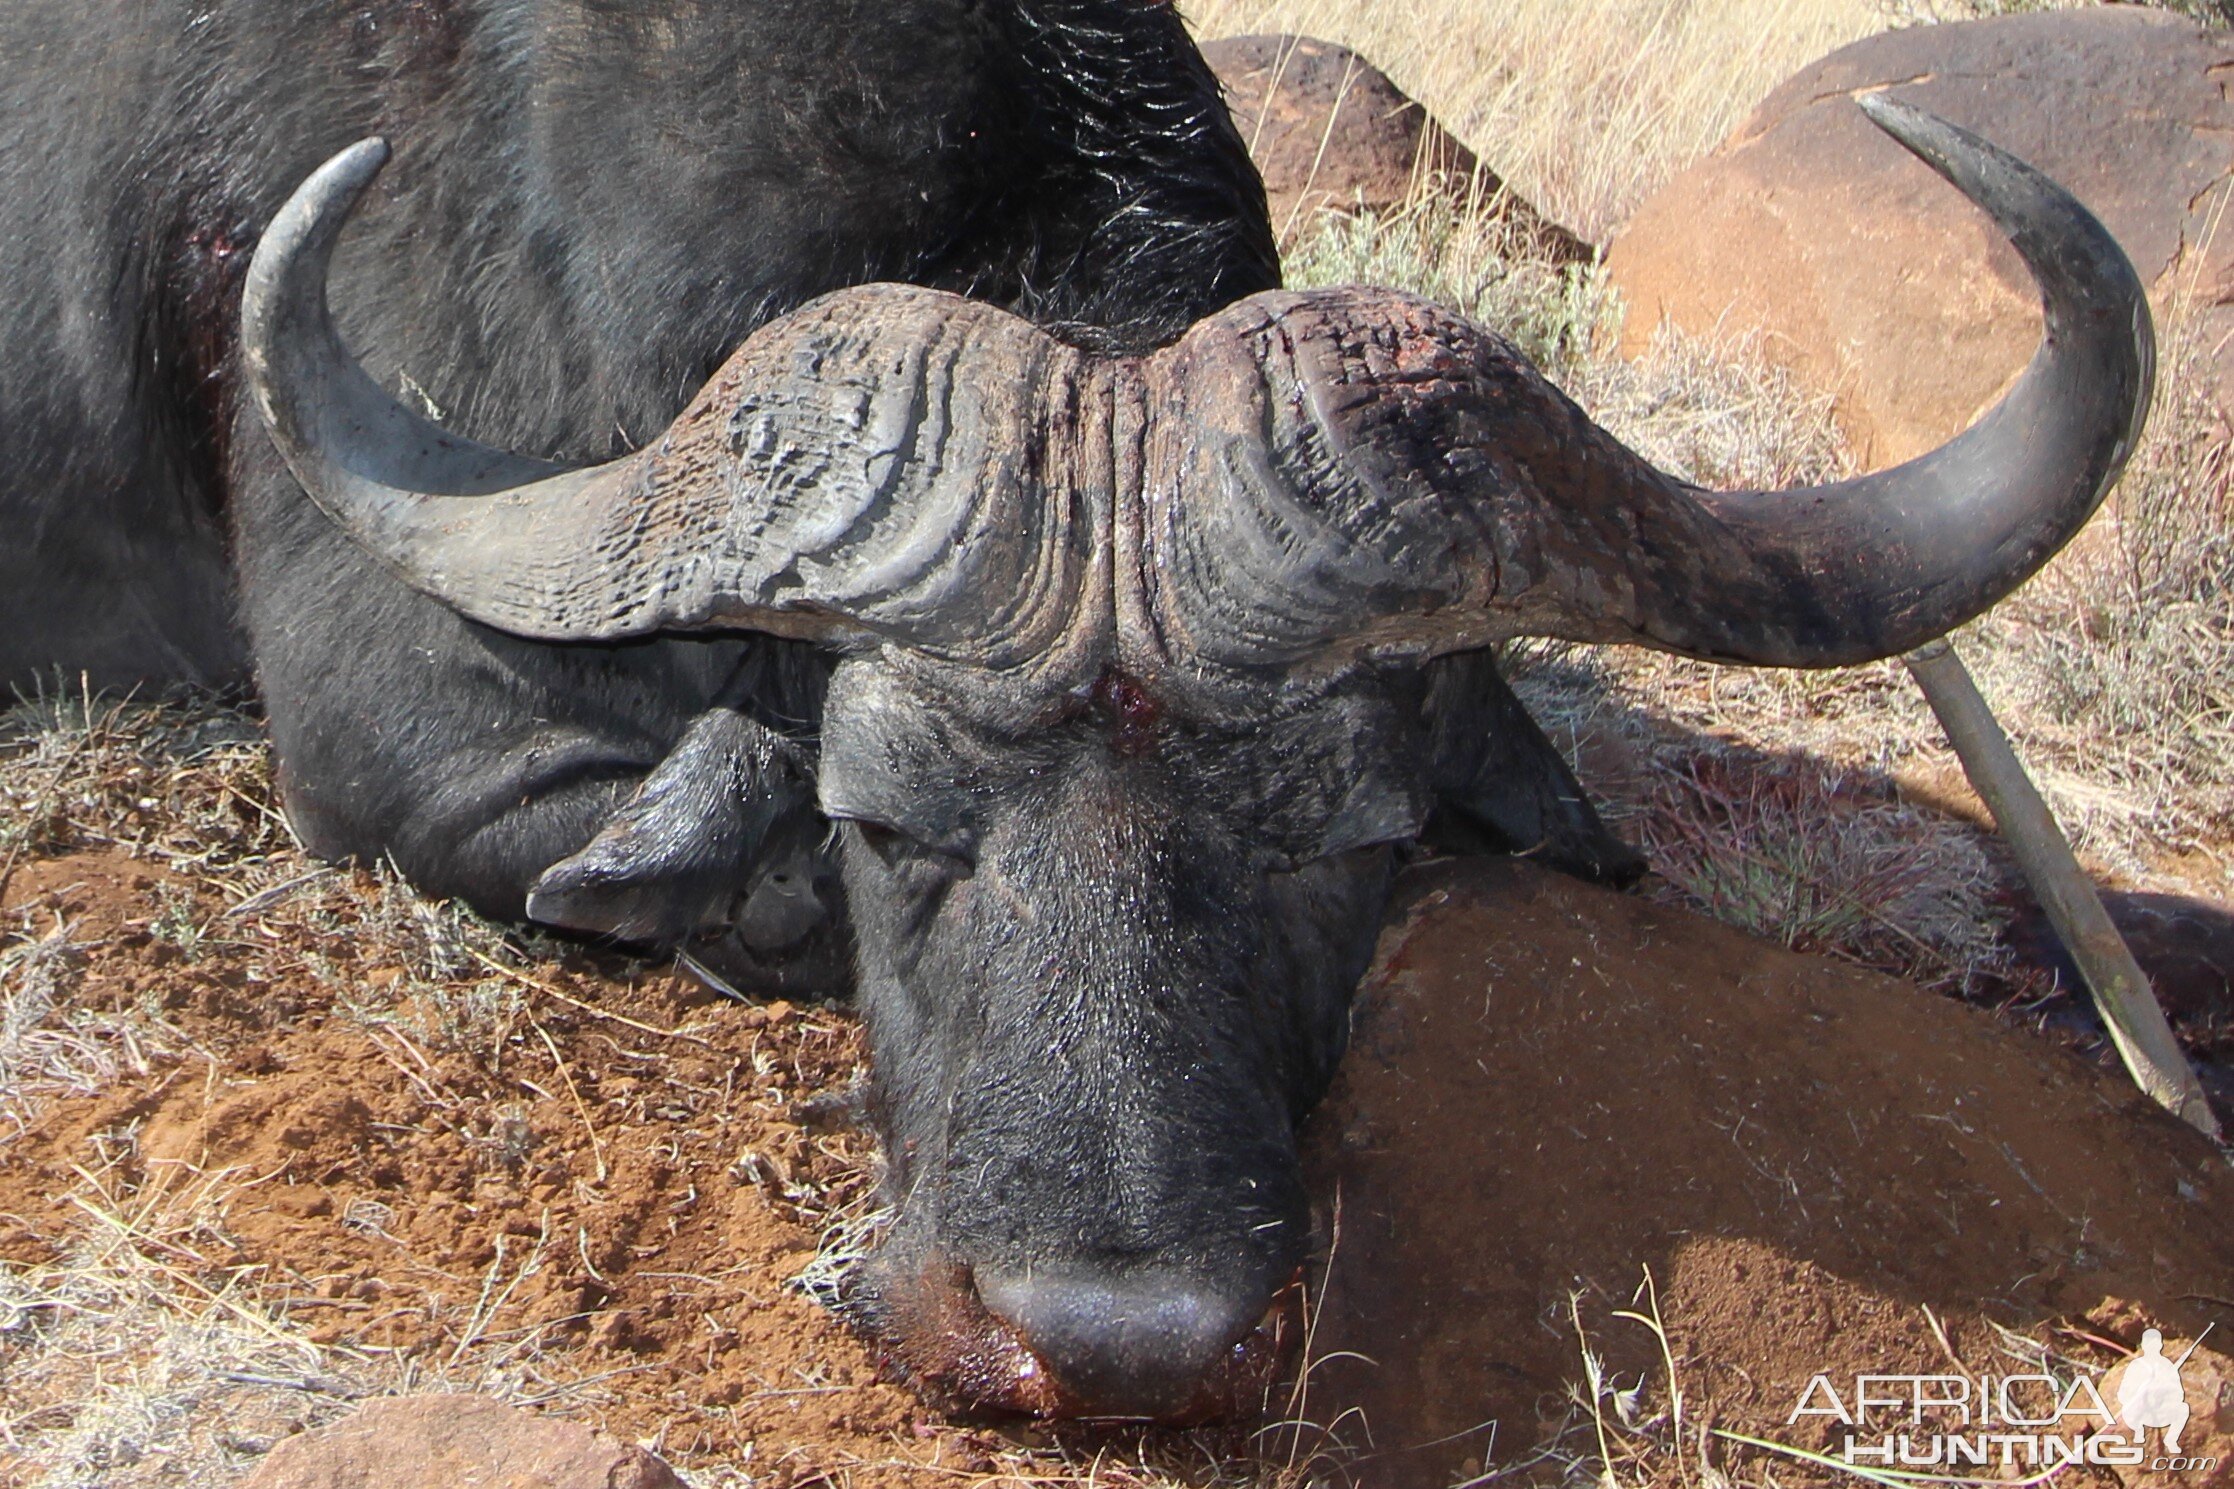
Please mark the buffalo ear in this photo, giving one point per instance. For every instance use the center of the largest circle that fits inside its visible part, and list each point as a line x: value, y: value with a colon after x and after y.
x: 1502, y: 787
x: 678, y: 856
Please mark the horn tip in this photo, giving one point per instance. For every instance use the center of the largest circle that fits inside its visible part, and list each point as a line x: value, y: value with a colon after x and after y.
x: 1880, y: 105
x: 355, y: 167
x: 1921, y: 131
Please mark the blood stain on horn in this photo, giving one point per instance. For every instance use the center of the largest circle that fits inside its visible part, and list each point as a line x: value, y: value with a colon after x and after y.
x: 1133, y: 711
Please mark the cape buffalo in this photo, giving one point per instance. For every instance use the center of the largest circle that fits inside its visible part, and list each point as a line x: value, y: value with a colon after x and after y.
x: 1124, y: 613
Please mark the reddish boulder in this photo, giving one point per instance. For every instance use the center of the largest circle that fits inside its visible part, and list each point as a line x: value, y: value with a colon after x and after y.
x: 1554, y: 1091
x: 454, y: 1442
x: 1331, y: 133
x: 1877, y: 282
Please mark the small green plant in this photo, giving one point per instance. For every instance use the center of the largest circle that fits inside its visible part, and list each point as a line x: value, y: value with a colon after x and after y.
x: 178, y: 923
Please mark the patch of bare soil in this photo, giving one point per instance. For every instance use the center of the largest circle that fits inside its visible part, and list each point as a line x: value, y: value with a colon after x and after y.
x: 588, y: 1182
x: 604, y: 1180
x: 1554, y: 1089
x: 105, y: 898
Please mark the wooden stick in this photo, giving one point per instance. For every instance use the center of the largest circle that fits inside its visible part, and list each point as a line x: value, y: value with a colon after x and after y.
x: 2121, y: 990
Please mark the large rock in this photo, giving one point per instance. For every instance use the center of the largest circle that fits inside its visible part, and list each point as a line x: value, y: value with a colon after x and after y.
x: 1554, y: 1092
x: 457, y: 1442
x: 1331, y: 133
x: 1872, y: 278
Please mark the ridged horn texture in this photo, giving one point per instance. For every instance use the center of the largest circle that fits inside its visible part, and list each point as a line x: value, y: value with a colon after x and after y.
x: 886, y: 462
x: 1391, y: 478
x: 1304, y: 478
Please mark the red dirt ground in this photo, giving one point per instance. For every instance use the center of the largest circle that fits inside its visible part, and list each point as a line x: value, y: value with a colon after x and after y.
x: 375, y: 1179
x: 1553, y: 1090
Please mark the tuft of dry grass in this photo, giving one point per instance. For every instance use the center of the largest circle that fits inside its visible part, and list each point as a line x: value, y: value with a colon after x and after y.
x: 1468, y: 255
x: 49, y: 1046
x: 1827, y: 861
x: 123, y: 1365
x: 1585, y: 106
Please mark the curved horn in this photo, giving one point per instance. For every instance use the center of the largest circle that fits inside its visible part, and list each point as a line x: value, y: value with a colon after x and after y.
x: 1396, y: 479
x: 857, y: 468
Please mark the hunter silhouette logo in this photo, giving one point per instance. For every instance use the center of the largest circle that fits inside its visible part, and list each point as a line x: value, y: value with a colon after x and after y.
x: 2151, y: 1394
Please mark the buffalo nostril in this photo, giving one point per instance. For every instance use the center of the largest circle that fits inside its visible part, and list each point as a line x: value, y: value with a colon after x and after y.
x: 783, y: 909
x: 1141, y: 1344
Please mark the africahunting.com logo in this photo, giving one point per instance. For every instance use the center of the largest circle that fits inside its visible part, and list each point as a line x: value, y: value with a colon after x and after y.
x: 2014, y: 1421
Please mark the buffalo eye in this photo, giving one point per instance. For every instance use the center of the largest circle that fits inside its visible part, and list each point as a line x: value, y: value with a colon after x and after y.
x: 898, y: 848
x: 886, y: 842
x: 1270, y: 860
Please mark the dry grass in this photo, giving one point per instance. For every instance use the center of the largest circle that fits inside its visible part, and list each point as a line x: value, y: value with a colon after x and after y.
x: 1585, y: 106
x: 183, y: 786
x: 1588, y: 106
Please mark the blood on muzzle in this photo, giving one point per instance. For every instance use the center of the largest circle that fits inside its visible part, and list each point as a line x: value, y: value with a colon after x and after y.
x: 1148, y: 1345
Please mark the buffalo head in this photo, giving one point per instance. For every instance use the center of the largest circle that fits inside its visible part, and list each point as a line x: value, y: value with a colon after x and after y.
x: 1128, y: 707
